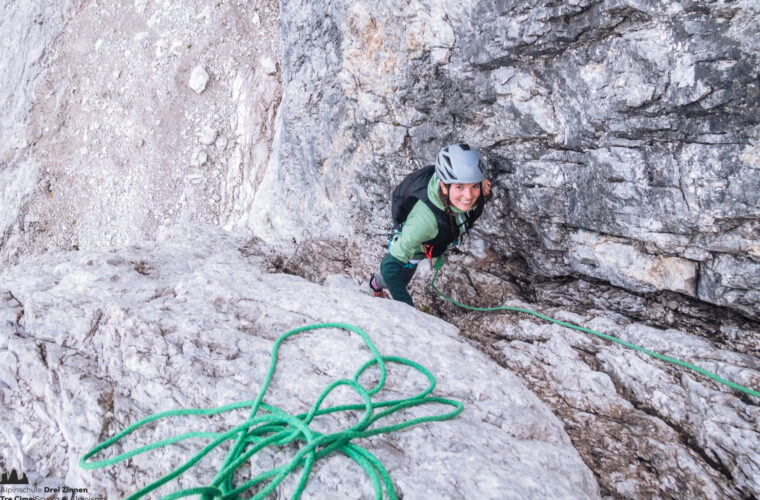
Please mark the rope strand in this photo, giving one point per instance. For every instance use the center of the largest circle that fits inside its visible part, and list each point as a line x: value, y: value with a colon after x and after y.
x: 268, y: 426
x: 439, y: 264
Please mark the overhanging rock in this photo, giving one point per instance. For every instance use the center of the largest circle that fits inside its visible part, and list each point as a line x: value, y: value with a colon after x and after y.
x: 610, y: 258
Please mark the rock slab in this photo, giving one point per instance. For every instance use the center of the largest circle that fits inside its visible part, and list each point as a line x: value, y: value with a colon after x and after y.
x: 94, y: 341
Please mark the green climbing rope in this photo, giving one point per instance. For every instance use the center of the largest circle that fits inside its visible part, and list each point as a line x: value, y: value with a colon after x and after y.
x: 439, y: 264
x: 268, y: 425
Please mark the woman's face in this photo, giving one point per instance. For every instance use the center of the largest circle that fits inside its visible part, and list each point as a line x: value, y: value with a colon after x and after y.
x: 462, y: 196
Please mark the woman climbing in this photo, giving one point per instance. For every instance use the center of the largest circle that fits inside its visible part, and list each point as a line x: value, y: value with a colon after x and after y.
x: 432, y: 209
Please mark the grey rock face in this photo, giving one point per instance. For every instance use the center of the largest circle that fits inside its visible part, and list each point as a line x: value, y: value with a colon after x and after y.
x: 94, y: 341
x: 627, y: 412
x: 622, y: 135
x: 647, y: 428
x: 635, y: 121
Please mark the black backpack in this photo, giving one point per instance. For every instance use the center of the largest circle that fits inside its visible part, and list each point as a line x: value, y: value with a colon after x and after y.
x: 405, y: 196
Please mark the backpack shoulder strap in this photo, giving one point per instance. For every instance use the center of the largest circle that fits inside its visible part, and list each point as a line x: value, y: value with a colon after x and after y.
x: 405, y: 195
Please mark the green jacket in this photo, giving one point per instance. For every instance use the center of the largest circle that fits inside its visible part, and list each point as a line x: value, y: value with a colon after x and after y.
x: 420, y: 226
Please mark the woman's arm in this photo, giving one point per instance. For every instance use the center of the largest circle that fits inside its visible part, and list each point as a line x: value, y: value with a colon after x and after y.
x: 419, y: 226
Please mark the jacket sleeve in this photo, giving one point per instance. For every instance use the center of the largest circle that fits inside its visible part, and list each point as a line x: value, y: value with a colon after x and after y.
x: 391, y: 268
x: 420, y: 226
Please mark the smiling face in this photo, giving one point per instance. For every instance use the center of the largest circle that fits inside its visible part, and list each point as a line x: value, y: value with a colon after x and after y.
x: 462, y: 196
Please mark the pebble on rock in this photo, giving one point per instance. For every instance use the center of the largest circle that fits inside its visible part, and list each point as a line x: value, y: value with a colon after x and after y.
x: 200, y: 158
x: 269, y: 66
x: 207, y: 136
x: 198, y: 79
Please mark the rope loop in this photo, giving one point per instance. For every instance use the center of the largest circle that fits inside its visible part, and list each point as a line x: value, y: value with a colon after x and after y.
x: 268, y: 426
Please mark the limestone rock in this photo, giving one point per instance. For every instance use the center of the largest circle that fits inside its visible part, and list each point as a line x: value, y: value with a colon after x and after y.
x: 622, y: 138
x: 627, y: 121
x: 207, y: 136
x: 614, y: 399
x: 99, y: 96
x: 623, y: 265
x: 94, y: 341
x: 198, y: 79
x: 269, y: 66
x: 636, y: 121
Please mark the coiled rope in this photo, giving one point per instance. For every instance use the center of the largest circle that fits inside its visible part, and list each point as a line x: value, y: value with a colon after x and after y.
x: 439, y: 264
x: 268, y: 426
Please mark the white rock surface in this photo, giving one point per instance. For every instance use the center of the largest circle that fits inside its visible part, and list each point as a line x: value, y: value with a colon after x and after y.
x: 199, y: 158
x: 101, y: 124
x: 623, y: 265
x: 198, y: 79
x: 268, y: 65
x: 93, y: 341
x: 207, y: 136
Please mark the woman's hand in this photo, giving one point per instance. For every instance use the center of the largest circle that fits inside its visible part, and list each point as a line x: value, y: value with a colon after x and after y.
x: 486, y: 187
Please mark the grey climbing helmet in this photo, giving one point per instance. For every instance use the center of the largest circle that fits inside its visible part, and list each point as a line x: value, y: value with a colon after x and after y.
x: 459, y: 163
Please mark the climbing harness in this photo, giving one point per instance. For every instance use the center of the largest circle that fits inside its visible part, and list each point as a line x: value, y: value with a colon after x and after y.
x: 428, y: 251
x: 268, y: 425
x: 439, y: 264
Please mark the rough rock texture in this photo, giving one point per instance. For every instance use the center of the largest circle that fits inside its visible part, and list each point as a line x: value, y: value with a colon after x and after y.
x: 623, y: 137
x: 94, y: 341
x: 647, y: 428
x: 632, y: 122
x: 675, y: 431
x: 109, y: 140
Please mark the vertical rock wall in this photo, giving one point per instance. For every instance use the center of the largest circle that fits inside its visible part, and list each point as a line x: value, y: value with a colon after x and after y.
x: 622, y: 135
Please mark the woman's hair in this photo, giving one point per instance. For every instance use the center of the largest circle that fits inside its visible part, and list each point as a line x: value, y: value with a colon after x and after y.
x: 452, y: 219
x: 447, y: 208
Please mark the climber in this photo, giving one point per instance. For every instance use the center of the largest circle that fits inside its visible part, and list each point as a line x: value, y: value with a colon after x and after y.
x: 432, y: 209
